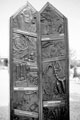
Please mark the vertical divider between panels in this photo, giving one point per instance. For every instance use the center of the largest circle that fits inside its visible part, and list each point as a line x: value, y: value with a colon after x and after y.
x: 39, y: 66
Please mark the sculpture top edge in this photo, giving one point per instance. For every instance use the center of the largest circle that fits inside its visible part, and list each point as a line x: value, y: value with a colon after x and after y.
x: 23, y: 8
x: 44, y: 7
x: 53, y: 8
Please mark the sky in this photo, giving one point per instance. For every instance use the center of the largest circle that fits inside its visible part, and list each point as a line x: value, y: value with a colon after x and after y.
x: 70, y: 8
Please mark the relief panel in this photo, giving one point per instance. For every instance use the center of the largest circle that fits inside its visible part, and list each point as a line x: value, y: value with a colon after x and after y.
x: 24, y: 48
x: 26, y: 101
x: 26, y: 19
x: 24, y: 58
x: 51, y: 22
x: 56, y: 113
x: 23, y: 77
x: 54, y: 80
x: 52, y: 49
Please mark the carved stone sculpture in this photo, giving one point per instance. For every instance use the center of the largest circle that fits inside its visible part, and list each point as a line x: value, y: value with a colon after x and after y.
x: 39, y: 76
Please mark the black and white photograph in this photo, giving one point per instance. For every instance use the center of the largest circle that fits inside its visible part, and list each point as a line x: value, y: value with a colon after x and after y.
x: 39, y: 60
